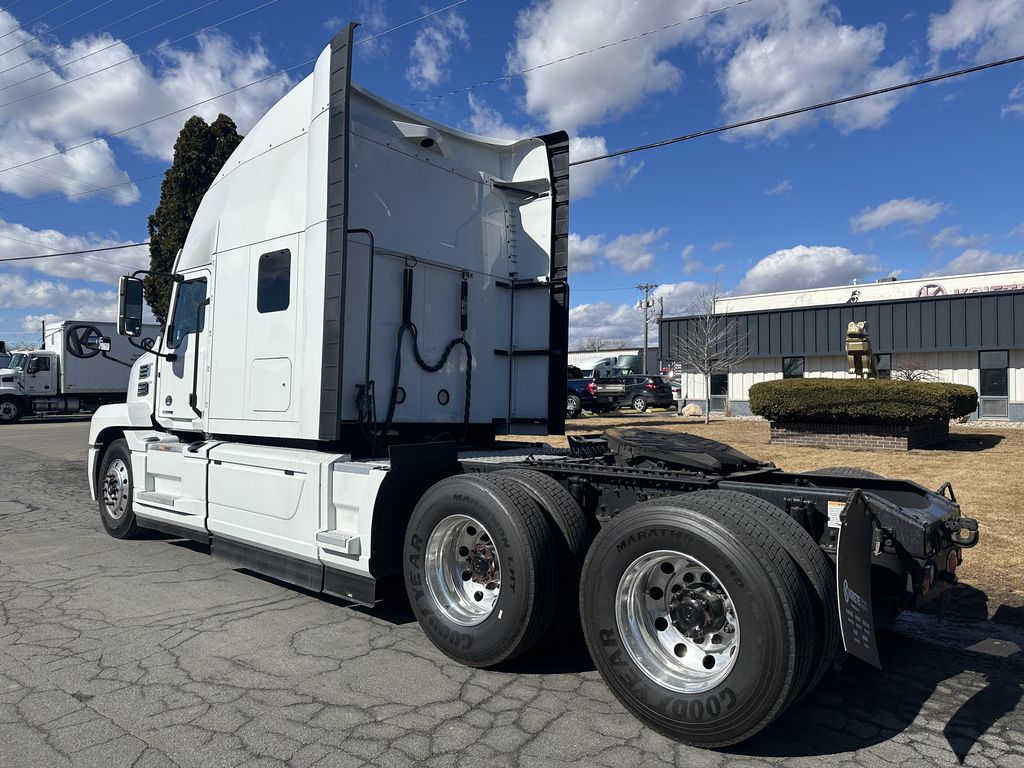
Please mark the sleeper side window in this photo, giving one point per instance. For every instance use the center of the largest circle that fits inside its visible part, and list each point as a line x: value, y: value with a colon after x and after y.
x: 274, y: 281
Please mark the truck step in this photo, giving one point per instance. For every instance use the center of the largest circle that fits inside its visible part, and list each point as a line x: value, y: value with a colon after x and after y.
x: 156, y: 499
x: 346, y: 543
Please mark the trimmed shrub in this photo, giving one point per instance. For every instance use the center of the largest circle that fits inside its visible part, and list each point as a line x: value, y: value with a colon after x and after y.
x: 861, y: 401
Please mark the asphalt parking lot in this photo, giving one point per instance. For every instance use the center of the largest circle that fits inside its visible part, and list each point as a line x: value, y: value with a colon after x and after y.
x: 151, y: 653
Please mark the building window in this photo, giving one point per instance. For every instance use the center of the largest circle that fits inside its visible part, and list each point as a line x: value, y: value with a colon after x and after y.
x: 994, y: 389
x: 274, y: 283
x: 719, y: 391
x: 189, y: 314
x: 792, y: 367
x: 883, y: 365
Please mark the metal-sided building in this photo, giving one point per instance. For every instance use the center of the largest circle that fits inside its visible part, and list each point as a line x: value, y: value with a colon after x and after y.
x: 967, y: 329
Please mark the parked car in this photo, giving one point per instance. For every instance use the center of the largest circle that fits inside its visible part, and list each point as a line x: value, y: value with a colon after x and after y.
x: 637, y: 392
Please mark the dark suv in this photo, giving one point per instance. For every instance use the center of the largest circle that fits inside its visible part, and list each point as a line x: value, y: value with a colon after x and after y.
x: 642, y: 392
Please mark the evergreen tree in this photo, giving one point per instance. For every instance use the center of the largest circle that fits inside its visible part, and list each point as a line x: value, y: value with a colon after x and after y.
x: 199, y: 153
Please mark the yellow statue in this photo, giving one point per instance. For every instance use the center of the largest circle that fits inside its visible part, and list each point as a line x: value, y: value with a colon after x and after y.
x: 858, y: 351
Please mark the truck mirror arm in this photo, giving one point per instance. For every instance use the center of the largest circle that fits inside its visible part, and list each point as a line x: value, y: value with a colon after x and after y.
x: 168, y: 356
x: 107, y: 356
x: 170, y: 275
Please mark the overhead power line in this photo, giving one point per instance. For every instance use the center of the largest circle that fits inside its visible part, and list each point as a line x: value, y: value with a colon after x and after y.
x: 65, y: 83
x: 576, y: 55
x: 33, y: 21
x: 88, y: 191
x: 74, y: 253
x: 286, y: 70
x: 802, y: 110
x: 90, y: 34
x: 55, y: 27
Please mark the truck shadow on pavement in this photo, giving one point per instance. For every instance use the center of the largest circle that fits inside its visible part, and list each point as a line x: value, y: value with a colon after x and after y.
x: 964, y: 687
x: 961, y: 676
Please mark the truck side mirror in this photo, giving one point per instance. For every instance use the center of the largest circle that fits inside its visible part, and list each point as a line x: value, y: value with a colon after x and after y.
x: 33, y: 367
x: 129, y: 307
x: 99, y: 343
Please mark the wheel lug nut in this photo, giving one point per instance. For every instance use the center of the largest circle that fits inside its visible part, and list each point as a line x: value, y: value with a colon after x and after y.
x: 478, y: 596
x: 466, y: 575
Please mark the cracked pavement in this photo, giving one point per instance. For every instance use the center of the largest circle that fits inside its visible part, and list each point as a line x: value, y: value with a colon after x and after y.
x: 151, y: 653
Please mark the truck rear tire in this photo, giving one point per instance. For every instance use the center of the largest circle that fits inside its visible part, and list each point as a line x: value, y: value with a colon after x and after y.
x: 573, y: 535
x: 114, y: 492
x: 818, y: 572
x: 11, y: 410
x: 696, y: 618
x: 480, y: 568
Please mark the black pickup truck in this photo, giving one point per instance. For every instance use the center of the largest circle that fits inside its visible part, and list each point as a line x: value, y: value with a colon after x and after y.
x: 638, y: 392
x: 584, y: 395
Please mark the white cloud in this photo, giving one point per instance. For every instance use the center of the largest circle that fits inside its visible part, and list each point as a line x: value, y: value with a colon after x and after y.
x: 784, y: 187
x: 979, y: 260
x: 772, y: 54
x: 950, y: 237
x: 19, y: 240
x: 804, y: 55
x: 433, y: 49
x: 907, y: 209
x: 691, y: 265
x: 123, y: 95
x: 721, y: 245
x: 54, y: 300
x: 1017, y: 231
x: 1013, y: 110
x: 485, y: 120
x: 585, y: 179
x: 607, y: 320
x: 591, y: 89
x: 584, y: 252
x: 982, y: 29
x: 804, y: 266
x: 634, y: 253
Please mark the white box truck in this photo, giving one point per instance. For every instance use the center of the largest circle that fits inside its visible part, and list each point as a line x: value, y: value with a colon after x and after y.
x: 365, y: 299
x: 70, y: 374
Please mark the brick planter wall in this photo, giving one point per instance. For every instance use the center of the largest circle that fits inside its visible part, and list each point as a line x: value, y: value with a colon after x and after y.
x: 870, y: 437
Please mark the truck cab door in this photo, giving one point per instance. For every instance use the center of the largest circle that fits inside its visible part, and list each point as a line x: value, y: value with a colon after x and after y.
x: 180, y: 396
x: 40, y: 376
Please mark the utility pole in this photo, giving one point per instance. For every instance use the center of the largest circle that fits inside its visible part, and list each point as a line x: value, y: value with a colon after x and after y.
x: 646, y: 307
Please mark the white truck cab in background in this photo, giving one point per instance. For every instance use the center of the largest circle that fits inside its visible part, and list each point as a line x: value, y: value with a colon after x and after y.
x: 70, y: 373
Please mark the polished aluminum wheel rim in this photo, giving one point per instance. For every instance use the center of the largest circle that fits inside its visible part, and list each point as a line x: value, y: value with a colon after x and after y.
x: 638, y: 403
x: 570, y: 406
x: 462, y: 570
x: 116, y: 487
x: 657, y: 598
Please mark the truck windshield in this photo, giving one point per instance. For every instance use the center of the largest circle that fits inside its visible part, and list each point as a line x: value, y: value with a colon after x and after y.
x: 18, y: 360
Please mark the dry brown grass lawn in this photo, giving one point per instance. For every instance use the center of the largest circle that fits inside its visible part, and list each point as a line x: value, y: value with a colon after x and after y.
x: 986, y: 467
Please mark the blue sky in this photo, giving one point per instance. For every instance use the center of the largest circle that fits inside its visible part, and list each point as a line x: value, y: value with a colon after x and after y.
x: 927, y: 181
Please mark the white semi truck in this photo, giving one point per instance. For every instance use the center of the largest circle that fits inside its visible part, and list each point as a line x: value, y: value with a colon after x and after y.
x: 365, y: 300
x: 69, y: 374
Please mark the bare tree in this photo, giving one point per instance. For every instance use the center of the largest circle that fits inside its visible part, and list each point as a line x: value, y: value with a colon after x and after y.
x: 913, y: 370
x: 709, y: 343
x: 597, y: 344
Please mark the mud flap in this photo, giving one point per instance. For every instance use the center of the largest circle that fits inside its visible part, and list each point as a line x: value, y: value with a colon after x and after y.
x: 853, y: 581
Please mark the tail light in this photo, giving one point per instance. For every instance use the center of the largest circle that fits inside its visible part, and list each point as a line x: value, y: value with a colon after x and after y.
x: 592, y: 387
x: 651, y: 386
